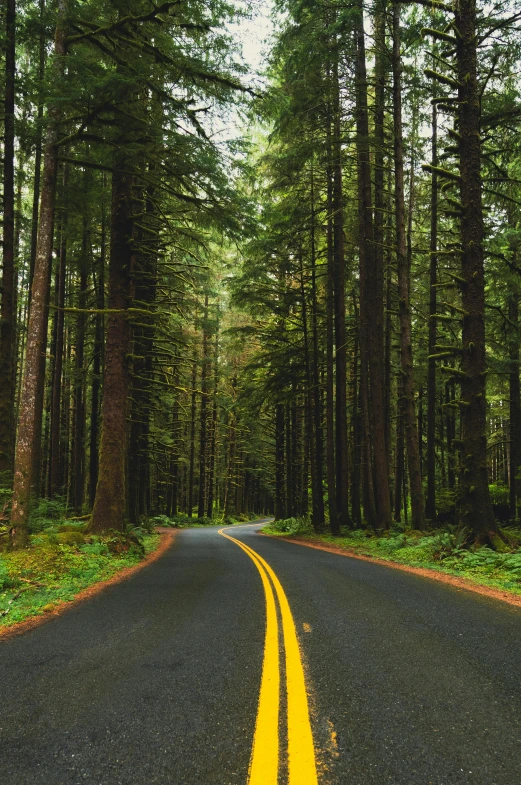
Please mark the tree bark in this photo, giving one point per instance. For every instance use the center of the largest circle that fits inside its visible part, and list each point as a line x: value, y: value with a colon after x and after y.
x: 411, y: 429
x: 371, y: 303
x: 341, y: 444
x: 27, y: 425
x: 515, y: 400
x: 330, y: 339
x: 280, y: 502
x: 430, y: 502
x: 203, y: 446
x: 193, y: 411
x: 110, y: 503
x: 55, y: 468
x: 475, y: 509
x: 97, y: 367
x: 7, y: 307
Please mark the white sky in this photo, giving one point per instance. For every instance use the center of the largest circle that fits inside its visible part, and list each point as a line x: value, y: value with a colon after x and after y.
x: 254, y: 33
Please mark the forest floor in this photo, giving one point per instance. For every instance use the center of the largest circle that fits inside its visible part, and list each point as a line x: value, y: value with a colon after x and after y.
x: 60, y: 567
x: 436, y: 554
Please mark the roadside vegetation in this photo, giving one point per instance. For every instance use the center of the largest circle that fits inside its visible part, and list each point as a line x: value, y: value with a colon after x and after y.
x: 62, y: 559
x: 183, y: 521
x: 445, y: 550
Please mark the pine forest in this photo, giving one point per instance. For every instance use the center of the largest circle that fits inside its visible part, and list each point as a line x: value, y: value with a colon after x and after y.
x: 292, y: 293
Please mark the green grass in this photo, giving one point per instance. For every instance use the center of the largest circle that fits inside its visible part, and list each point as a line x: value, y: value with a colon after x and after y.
x: 59, y: 564
x: 439, y: 550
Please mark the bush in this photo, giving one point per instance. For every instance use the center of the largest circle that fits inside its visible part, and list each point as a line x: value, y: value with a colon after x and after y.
x: 46, y: 513
x: 499, y: 494
x: 300, y: 525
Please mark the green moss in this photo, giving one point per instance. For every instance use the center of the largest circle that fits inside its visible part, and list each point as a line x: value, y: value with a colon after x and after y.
x: 55, y: 568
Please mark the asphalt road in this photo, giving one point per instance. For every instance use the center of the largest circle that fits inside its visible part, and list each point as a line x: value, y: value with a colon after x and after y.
x: 156, y: 680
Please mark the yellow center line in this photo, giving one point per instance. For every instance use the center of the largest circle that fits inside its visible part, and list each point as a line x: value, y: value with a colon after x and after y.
x: 264, y: 763
x: 301, y: 752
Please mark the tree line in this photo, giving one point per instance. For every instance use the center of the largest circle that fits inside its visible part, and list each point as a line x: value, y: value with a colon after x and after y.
x: 319, y: 317
x: 119, y: 205
x: 385, y: 279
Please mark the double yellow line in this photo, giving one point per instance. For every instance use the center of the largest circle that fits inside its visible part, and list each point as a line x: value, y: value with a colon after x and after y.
x: 264, y: 764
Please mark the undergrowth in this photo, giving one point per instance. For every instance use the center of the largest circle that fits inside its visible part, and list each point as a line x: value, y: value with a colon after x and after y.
x: 183, y: 521
x: 444, y: 550
x: 61, y: 560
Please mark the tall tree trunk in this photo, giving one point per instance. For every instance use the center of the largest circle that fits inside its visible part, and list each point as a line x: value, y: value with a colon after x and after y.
x: 38, y: 141
x: 280, y: 501
x: 7, y: 308
x: 515, y: 400
x: 97, y: 366
x: 399, y: 472
x: 475, y: 508
x: 213, y: 432
x: 193, y: 411
x: 356, y: 463
x: 330, y: 339
x: 110, y: 503
x: 55, y: 469
x: 203, y: 445
x: 78, y: 446
x: 411, y: 429
x: 430, y: 502
x: 317, y: 408
x: 371, y: 304
x: 317, y: 500
x: 27, y: 425
x: 341, y: 444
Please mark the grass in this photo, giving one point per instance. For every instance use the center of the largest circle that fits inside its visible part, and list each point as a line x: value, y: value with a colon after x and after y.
x: 442, y: 550
x: 58, y: 564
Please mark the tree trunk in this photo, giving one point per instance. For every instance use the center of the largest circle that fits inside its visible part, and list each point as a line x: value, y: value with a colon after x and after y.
x: 213, y: 432
x: 430, y: 503
x: 317, y: 409
x: 475, y: 509
x: 317, y: 500
x: 97, y: 366
x: 55, y: 468
x: 203, y: 446
x: 27, y: 425
x: 515, y: 401
x: 7, y: 308
x: 411, y: 429
x: 110, y: 504
x: 280, y: 503
x: 193, y: 411
x: 330, y: 368
x: 371, y: 303
x: 341, y: 444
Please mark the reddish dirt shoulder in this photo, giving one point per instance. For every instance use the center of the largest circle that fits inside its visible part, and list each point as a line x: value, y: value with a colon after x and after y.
x: 167, y: 538
x: 442, y: 577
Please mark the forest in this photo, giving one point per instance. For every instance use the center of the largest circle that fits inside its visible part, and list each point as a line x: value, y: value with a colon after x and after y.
x: 293, y: 293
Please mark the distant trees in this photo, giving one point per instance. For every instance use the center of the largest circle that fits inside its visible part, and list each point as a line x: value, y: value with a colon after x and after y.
x: 399, y: 276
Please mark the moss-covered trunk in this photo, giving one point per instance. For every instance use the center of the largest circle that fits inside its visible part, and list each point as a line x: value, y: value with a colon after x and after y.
x: 7, y: 309
x: 110, y: 503
x: 475, y: 508
x: 28, y: 427
x: 411, y: 427
x: 371, y: 296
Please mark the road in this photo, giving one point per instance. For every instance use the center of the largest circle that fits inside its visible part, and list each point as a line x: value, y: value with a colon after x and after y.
x: 189, y: 671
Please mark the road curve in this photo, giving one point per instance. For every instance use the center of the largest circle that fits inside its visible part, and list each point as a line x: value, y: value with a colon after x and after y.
x: 157, y: 679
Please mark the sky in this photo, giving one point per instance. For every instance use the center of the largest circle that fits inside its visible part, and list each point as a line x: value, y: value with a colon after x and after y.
x: 254, y: 33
